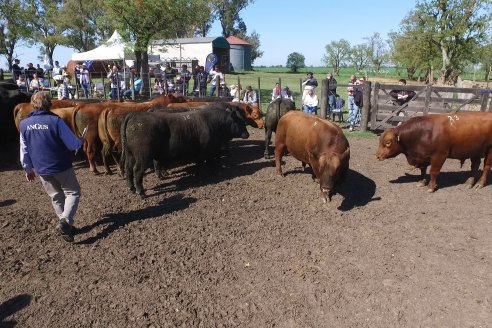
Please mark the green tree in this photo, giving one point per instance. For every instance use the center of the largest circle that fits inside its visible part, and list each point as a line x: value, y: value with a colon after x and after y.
x: 144, y: 20
x: 337, y: 52
x: 377, y: 51
x: 227, y: 12
x: 254, y: 41
x: 12, y: 28
x: 359, y: 56
x: 295, y: 61
x: 85, y: 23
x: 456, y: 28
x: 485, y: 60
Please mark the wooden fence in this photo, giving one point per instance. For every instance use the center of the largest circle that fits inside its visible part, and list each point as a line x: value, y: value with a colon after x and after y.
x: 380, y: 111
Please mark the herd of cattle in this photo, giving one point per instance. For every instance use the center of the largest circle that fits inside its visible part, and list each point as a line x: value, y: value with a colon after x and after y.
x: 170, y: 130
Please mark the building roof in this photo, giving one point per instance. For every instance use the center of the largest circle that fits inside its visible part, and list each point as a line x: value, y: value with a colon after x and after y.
x: 235, y: 40
x: 218, y: 42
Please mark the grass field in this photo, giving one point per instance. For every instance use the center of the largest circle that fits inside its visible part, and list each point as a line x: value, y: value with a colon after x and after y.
x: 264, y: 79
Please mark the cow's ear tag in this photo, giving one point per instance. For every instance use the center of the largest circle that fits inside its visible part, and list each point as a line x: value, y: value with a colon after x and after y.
x: 398, y: 139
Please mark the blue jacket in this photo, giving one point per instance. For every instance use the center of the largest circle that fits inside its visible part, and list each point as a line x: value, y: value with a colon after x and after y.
x: 46, y: 143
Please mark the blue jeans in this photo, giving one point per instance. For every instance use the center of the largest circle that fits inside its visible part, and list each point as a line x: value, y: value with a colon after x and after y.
x: 353, y: 111
x: 114, y: 93
x: 85, y: 88
x: 331, y: 103
x: 310, y: 109
x: 212, y: 90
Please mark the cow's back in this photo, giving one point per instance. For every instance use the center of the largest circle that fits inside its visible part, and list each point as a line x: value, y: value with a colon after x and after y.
x: 275, y: 110
x: 308, y: 135
x: 455, y: 135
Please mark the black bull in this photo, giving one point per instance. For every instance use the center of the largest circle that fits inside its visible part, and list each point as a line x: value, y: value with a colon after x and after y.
x: 276, y: 109
x: 170, y: 138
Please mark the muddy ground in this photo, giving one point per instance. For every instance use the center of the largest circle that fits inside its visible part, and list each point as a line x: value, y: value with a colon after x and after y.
x: 248, y: 248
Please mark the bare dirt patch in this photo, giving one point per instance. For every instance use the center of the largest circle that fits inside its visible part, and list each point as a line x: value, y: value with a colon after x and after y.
x: 250, y: 249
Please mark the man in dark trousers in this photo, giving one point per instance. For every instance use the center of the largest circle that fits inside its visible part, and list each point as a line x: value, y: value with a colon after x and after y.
x: 47, y: 148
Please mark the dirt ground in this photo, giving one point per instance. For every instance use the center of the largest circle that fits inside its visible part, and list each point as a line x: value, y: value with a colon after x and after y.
x: 248, y: 248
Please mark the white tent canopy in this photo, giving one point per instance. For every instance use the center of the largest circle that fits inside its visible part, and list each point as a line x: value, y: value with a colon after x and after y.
x: 113, y: 49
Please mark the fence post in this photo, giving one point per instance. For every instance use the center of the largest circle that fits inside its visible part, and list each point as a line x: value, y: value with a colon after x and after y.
x: 366, y: 106
x: 375, y: 105
x: 258, y: 95
x: 428, y: 93
x: 323, y: 104
x: 485, y: 100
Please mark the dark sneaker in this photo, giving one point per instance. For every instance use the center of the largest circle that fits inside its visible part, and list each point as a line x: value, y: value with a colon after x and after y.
x: 65, y: 230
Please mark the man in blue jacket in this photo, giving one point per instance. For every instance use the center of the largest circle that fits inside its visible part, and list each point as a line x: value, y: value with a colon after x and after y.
x: 46, y: 149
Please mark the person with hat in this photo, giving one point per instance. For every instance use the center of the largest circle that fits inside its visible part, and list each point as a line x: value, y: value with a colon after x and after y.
x: 85, y: 80
x: 61, y: 88
x: 215, y: 77
x: 46, y: 149
x: 250, y: 96
x: 309, y: 83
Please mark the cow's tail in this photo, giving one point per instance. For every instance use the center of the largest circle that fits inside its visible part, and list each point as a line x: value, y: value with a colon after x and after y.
x: 277, y: 109
x: 124, y: 143
x: 103, y: 131
x: 76, y: 130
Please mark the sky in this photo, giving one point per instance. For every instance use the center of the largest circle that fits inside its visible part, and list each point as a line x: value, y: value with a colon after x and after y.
x: 286, y: 26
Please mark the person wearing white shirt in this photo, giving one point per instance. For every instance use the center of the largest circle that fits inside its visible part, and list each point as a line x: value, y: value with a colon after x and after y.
x: 310, y: 103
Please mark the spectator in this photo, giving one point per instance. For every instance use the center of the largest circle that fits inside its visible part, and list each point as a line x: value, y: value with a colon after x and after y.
x: 309, y: 83
x: 402, y: 96
x: 215, y: 78
x: 200, y: 81
x: 39, y: 72
x: 35, y: 85
x: 185, y: 78
x: 84, y: 80
x: 115, y: 77
x: 16, y: 69
x: 234, y: 92
x: 287, y: 94
x: 224, y: 91
x: 29, y: 71
x: 137, y: 85
x: 338, y: 108
x: 159, y: 85
x: 310, y: 103
x: 332, y: 91
x: 352, y: 104
x: 21, y: 82
x: 46, y: 148
x: 76, y: 74
x: 276, y: 91
x: 57, y: 70
x: 250, y: 96
x: 61, y: 87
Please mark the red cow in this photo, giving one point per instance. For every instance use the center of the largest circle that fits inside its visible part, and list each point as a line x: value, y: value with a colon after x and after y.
x: 429, y: 140
x: 87, y: 116
x: 22, y: 110
x: 316, y: 142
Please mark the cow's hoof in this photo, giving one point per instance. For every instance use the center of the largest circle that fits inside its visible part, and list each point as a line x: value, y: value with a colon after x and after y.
x: 431, y: 190
x: 479, y: 186
x: 421, y: 183
x: 267, y: 156
x: 141, y: 194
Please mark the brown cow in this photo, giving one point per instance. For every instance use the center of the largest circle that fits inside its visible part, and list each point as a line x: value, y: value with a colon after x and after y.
x: 87, y: 116
x: 429, y: 140
x: 316, y: 142
x: 65, y: 114
x: 22, y: 110
x: 108, y: 125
